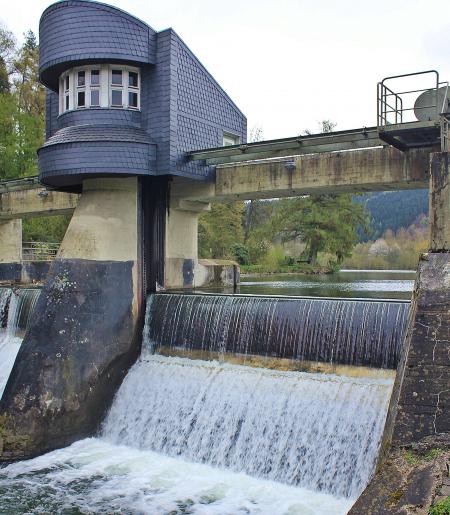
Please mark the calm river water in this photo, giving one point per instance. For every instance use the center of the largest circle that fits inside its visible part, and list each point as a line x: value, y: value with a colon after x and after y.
x: 382, y: 284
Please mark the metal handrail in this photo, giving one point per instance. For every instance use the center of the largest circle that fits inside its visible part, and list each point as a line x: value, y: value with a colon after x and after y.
x: 387, y: 112
x: 39, y: 251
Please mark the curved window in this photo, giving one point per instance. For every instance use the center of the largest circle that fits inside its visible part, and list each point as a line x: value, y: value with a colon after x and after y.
x: 99, y: 86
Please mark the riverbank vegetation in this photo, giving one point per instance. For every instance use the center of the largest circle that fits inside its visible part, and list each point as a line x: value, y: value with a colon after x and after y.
x: 398, y: 250
x: 22, y: 124
x: 308, y: 235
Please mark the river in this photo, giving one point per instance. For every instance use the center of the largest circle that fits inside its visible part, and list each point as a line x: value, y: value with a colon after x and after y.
x: 376, y: 284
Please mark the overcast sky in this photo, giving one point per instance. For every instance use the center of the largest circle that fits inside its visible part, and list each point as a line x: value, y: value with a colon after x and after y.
x: 288, y: 64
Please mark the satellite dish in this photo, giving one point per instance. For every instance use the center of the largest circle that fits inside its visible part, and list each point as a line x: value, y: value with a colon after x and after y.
x: 423, y: 105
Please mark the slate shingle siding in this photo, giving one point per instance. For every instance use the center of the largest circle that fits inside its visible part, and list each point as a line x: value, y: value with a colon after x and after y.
x: 182, y: 106
x: 110, y: 133
x: 74, y: 30
x: 51, y: 113
x: 203, y: 111
x: 97, y: 157
x: 125, y: 117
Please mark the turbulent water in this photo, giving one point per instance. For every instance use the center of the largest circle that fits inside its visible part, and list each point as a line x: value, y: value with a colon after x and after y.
x: 94, y: 476
x: 16, y: 308
x: 347, y: 332
x: 187, y: 436
x: 296, y: 428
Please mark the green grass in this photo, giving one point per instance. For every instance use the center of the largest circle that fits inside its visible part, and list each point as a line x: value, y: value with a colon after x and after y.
x: 441, y: 508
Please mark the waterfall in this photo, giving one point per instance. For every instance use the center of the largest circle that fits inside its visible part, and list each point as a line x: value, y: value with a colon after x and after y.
x: 347, y: 332
x: 296, y: 428
x: 16, y: 308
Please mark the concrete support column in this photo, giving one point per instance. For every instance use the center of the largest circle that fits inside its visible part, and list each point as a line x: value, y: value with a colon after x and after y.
x: 10, y: 250
x: 418, y: 412
x: 86, y: 326
x: 182, y: 245
x: 439, y: 202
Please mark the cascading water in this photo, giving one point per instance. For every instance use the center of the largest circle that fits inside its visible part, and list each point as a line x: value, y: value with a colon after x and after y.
x: 347, y: 332
x: 296, y: 428
x: 16, y: 308
x: 209, y: 437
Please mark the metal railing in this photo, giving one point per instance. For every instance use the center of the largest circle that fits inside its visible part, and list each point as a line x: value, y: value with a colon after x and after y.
x: 39, y: 251
x: 393, y: 106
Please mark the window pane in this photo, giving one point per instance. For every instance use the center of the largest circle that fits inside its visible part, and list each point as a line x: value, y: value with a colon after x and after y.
x: 67, y: 102
x: 67, y: 83
x: 95, y: 97
x: 133, y: 79
x: 81, y: 78
x: 132, y: 99
x: 95, y: 77
x: 116, y: 78
x: 116, y: 98
x: 230, y: 139
x: 81, y: 99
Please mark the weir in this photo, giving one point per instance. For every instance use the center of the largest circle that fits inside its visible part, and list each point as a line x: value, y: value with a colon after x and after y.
x: 16, y: 309
x: 139, y: 168
x: 346, y: 332
x: 292, y: 427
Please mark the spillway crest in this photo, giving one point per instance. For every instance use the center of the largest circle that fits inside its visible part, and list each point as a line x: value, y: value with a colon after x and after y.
x: 348, y: 332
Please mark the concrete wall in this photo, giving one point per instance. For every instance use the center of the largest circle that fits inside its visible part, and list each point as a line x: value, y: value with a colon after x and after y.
x: 10, y: 250
x: 440, y: 202
x: 378, y: 169
x: 11, y: 241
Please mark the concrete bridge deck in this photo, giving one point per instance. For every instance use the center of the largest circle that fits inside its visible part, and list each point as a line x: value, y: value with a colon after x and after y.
x: 371, y: 169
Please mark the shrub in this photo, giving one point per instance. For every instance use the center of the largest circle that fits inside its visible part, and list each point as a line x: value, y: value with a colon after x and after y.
x: 441, y: 508
x: 240, y: 253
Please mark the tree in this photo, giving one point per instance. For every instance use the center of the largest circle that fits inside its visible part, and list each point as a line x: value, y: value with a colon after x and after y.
x: 22, y: 106
x: 326, y: 223
x: 220, y: 229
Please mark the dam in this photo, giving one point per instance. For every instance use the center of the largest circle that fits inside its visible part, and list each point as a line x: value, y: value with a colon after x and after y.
x: 121, y: 390
x: 289, y: 437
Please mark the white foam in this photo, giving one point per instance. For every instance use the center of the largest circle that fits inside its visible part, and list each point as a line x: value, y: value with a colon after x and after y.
x: 96, y: 476
x: 296, y: 428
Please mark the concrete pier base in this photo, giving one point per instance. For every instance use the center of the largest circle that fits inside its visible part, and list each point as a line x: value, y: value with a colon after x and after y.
x: 86, y: 328
x: 11, y: 250
x: 417, y: 434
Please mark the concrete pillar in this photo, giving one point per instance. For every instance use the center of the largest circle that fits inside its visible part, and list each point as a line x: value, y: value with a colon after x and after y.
x: 181, y: 246
x: 183, y: 269
x: 439, y: 202
x: 86, y: 327
x: 418, y: 413
x: 10, y: 250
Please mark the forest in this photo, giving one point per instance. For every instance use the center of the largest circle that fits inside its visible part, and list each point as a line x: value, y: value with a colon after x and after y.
x: 312, y: 234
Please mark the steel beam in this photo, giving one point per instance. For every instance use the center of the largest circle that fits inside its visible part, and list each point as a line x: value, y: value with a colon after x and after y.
x: 309, y: 144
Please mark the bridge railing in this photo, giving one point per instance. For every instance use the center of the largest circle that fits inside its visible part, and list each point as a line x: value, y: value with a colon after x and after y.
x: 39, y: 251
x: 396, y: 106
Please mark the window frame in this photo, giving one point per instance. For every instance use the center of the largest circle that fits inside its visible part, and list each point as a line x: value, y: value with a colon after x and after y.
x: 233, y: 139
x: 68, y: 98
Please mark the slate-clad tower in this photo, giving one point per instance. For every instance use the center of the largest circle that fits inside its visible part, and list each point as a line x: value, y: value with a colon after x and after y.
x: 124, y: 104
x: 124, y: 99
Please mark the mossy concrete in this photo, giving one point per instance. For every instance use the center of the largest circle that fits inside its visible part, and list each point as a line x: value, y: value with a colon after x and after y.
x: 86, y: 327
x: 418, y: 420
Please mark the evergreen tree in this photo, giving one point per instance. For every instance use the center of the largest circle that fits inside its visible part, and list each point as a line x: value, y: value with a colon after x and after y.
x: 326, y: 223
x: 220, y: 229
